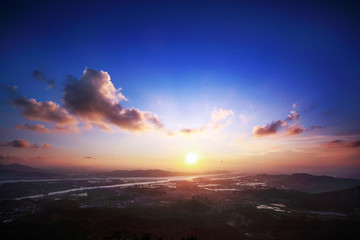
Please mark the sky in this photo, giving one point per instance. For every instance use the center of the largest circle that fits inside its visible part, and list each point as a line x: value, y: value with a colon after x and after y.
x: 248, y: 86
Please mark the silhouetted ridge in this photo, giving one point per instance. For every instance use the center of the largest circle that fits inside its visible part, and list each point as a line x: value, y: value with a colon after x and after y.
x: 307, y: 183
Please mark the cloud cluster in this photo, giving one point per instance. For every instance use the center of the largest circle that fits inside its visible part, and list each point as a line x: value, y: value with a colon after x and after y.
x: 293, y: 116
x: 343, y: 144
x: 219, y: 118
x: 21, y: 143
x: 92, y: 100
x: 33, y: 127
x: 190, y: 131
x: 44, y: 111
x: 96, y: 101
x: 276, y: 126
x: 295, y: 129
x: 46, y: 145
x: 41, y: 77
x: 271, y: 128
x: 315, y: 127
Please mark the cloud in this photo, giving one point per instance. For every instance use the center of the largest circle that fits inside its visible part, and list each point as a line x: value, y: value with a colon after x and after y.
x: 343, y: 144
x: 46, y: 146
x: 310, y: 108
x: 315, y: 127
x: 44, y: 111
x: 293, y: 116
x: 276, y: 126
x: 21, y: 143
x: 33, y: 127
x: 352, y: 144
x: 272, y: 128
x: 41, y: 77
x: 243, y: 118
x: 221, y: 117
x: 95, y: 100
x: 66, y: 129
x: 330, y: 112
x: 12, y: 90
x: 295, y: 129
x: 89, y: 157
x: 190, y: 131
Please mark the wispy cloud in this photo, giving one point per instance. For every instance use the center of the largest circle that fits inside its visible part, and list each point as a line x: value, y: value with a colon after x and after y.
x: 12, y: 90
x: 190, y: 131
x: 21, y: 143
x: 330, y: 112
x: 46, y: 145
x: 219, y: 118
x: 41, y: 77
x: 33, y: 127
x: 295, y: 129
x: 315, y: 127
x: 343, y: 144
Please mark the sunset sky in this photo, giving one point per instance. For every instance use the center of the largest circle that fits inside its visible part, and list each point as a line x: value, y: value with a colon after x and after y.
x: 256, y: 86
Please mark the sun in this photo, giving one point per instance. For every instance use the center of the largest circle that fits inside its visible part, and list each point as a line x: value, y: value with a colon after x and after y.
x: 191, y: 158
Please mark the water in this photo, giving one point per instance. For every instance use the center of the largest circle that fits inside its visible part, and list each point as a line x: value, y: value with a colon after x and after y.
x: 133, y: 182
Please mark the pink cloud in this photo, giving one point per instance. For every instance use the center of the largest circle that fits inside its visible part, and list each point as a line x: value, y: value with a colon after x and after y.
x: 279, y: 126
x: 46, y: 145
x: 33, y: 127
x: 44, y: 111
x: 21, y: 143
x: 272, y: 128
x: 343, y: 144
x: 221, y: 117
x: 295, y: 129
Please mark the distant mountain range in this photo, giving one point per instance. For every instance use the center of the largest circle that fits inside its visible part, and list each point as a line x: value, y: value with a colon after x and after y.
x: 156, y: 173
x: 300, y: 181
x: 305, y: 182
x: 21, y: 171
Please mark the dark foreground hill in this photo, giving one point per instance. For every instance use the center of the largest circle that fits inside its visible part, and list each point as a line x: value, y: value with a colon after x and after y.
x: 65, y: 220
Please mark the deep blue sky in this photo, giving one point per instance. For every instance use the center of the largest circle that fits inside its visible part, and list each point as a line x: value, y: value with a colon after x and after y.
x: 302, y: 51
x: 230, y: 54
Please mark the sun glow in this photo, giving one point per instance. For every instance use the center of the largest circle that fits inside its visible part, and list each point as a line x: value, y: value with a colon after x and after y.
x: 191, y: 158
